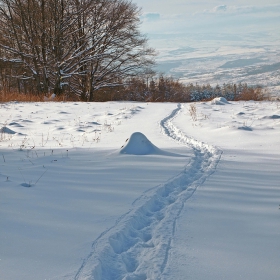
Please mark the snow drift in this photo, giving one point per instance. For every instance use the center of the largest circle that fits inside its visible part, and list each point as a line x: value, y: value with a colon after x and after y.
x: 219, y: 101
x: 6, y: 130
x: 139, y: 144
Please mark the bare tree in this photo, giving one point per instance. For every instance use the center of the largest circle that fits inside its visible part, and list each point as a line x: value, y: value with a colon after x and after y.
x: 82, y: 45
x: 120, y: 50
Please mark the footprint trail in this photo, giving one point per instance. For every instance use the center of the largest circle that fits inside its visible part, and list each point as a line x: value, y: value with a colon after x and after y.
x: 137, y: 246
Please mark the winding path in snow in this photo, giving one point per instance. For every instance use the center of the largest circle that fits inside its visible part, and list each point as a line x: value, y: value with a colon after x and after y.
x: 137, y: 246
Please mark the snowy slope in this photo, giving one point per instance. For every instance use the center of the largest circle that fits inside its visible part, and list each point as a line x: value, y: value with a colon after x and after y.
x: 139, y: 191
x: 231, y: 224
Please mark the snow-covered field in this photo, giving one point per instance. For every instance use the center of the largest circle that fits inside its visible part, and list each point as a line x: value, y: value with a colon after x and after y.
x: 225, y: 64
x: 210, y: 60
x: 194, y: 194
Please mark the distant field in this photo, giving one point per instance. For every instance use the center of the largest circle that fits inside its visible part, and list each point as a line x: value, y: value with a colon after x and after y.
x: 220, y: 60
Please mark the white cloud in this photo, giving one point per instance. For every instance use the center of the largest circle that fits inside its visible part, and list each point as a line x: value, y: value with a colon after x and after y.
x: 151, y: 17
x: 221, y: 8
x: 220, y: 19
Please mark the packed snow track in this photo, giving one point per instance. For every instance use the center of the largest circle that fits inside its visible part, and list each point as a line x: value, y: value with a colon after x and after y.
x: 137, y: 246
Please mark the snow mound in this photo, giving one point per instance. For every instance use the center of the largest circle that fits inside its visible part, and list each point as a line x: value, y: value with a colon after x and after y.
x: 219, y: 101
x: 7, y: 130
x: 273, y: 117
x: 240, y: 114
x: 247, y: 128
x: 139, y: 144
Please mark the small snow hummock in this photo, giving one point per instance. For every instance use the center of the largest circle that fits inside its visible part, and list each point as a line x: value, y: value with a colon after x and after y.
x: 272, y: 117
x: 219, y: 101
x: 6, y: 130
x: 139, y: 144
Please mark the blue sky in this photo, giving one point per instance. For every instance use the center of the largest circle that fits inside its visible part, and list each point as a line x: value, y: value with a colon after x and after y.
x: 224, y: 16
x: 188, y: 7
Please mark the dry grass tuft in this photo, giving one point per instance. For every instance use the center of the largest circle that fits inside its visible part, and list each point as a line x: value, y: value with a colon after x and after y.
x: 193, y: 112
x: 31, y: 97
x: 15, y: 96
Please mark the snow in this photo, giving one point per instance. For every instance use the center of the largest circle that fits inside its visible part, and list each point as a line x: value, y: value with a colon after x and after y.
x: 5, y: 130
x: 219, y: 101
x: 138, y: 144
x: 125, y: 190
x: 222, y: 59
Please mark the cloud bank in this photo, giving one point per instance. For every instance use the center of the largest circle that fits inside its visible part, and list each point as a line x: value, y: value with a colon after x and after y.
x: 238, y: 10
x: 151, y: 17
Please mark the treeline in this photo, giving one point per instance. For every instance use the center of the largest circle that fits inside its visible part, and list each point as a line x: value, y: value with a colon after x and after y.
x: 155, y: 89
x: 70, y: 47
x: 168, y: 89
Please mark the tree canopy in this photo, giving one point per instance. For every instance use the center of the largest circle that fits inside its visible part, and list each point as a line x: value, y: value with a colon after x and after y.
x: 74, y: 46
